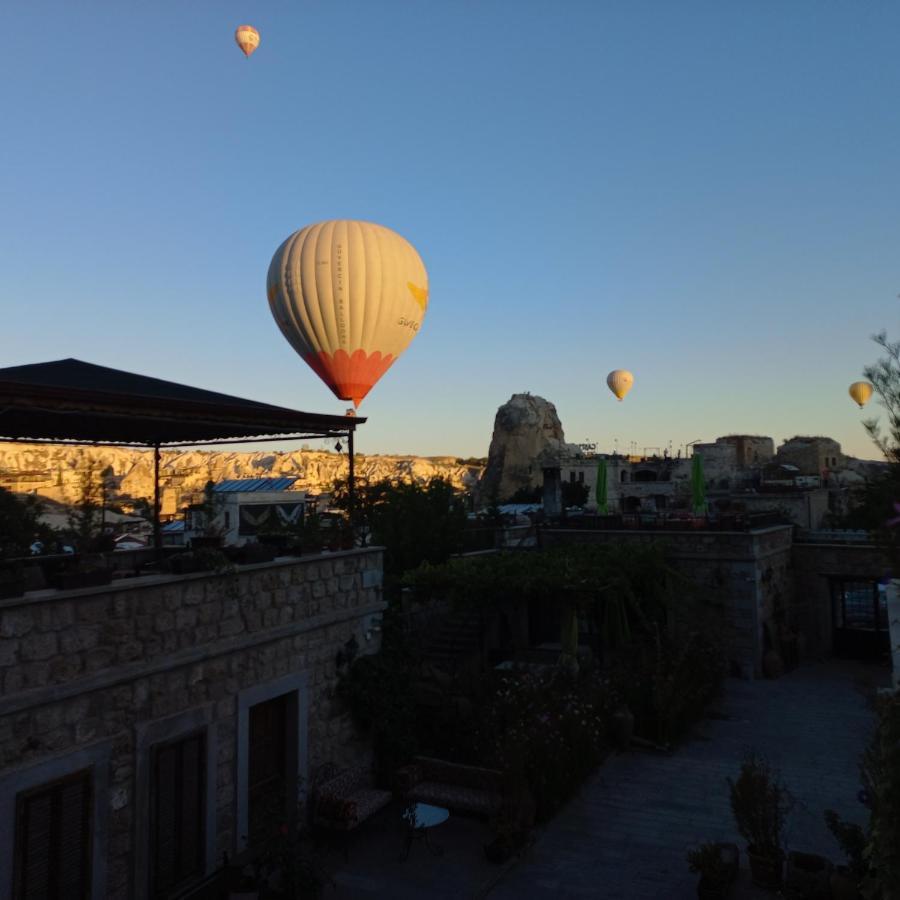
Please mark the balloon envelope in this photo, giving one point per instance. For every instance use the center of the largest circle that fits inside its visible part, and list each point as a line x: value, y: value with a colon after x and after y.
x: 620, y: 382
x: 861, y: 392
x: 247, y: 38
x: 349, y: 296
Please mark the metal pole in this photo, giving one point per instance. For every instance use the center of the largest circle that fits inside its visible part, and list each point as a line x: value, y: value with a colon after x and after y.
x: 351, y: 487
x: 157, y: 532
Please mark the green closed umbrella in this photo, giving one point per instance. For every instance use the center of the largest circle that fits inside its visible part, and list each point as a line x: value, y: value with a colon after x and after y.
x: 602, y: 493
x: 698, y: 485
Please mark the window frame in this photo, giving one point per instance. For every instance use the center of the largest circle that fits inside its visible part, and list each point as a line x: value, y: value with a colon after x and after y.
x: 153, y: 812
x: 149, y: 735
x: 95, y: 757
x: 19, y: 842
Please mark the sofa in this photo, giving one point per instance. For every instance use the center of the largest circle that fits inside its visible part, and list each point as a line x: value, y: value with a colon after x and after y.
x: 347, y: 800
x: 469, y: 789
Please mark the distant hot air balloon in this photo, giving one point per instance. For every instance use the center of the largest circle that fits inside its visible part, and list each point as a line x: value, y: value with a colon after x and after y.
x: 247, y: 38
x: 620, y: 382
x: 349, y: 296
x: 861, y: 391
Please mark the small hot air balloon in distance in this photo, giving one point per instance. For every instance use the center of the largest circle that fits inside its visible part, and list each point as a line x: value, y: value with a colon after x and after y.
x: 247, y: 38
x: 861, y: 392
x: 620, y: 382
x: 349, y: 297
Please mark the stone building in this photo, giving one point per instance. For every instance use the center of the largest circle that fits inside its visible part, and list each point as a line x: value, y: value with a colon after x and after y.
x: 749, y: 572
x: 147, y: 727
x: 811, y: 455
x: 742, y: 473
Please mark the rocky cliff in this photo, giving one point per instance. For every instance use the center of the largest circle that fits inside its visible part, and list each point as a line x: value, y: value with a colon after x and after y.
x: 59, y: 472
x: 527, y: 430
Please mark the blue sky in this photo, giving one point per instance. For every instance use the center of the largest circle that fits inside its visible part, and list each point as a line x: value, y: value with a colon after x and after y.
x: 705, y: 193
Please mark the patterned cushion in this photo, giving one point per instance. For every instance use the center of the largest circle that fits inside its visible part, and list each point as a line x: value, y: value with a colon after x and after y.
x: 463, y: 776
x: 346, y: 782
x: 454, y: 796
x: 369, y: 801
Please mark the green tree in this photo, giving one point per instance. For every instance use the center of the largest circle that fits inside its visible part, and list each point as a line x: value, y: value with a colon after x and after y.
x: 86, y: 516
x: 20, y: 524
x: 415, y: 523
x: 874, y: 503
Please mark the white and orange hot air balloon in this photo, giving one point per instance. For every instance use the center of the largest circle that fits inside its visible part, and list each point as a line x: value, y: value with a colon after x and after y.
x: 247, y: 38
x: 349, y: 296
x: 619, y: 382
x: 861, y: 392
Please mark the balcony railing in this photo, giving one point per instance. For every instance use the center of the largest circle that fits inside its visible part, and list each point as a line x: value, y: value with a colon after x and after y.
x: 674, y: 522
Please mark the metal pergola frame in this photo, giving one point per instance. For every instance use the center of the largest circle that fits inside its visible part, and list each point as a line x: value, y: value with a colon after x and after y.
x: 75, y: 403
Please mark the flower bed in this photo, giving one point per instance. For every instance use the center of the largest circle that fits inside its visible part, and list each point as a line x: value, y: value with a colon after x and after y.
x: 549, y: 728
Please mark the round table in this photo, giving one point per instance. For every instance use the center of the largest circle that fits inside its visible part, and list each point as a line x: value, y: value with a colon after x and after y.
x: 419, y: 817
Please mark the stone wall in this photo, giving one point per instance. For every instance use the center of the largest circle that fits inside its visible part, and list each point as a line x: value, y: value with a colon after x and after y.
x: 91, y: 668
x: 748, y: 571
x: 806, y: 509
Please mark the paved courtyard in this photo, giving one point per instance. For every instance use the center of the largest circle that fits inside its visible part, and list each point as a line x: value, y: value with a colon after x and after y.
x: 626, y: 832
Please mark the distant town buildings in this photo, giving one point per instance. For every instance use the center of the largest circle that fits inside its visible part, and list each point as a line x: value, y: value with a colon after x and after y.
x: 807, y: 479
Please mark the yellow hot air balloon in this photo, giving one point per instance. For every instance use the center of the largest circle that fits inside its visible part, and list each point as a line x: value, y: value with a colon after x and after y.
x: 247, y: 38
x: 861, y: 392
x: 620, y: 382
x: 349, y: 296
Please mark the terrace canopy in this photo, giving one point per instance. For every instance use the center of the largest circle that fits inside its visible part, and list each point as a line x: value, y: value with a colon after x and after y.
x: 70, y: 401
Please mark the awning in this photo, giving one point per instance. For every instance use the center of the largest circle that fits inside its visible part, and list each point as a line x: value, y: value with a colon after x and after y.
x: 73, y: 401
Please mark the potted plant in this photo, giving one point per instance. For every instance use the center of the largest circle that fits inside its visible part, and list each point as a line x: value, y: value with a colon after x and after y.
x: 808, y: 875
x: 88, y: 571
x: 253, y: 552
x: 717, y: 865
x: 12, y: 580
x: 846, y: 879
x: 622, y: 727
x: 760, y: 804
x: 204, y: 559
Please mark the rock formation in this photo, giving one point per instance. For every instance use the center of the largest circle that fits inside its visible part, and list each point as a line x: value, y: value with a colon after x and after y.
x: 527, y: 432
x: 59, y: 472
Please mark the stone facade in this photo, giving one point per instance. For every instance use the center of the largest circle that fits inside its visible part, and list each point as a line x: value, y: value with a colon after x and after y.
x: 95, y: 676
x: 811, y: 455
x: 748, y: 571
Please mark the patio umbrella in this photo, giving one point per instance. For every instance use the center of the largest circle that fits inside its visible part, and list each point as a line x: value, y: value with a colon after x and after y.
x: 601, y: 491
x: 698, y: 485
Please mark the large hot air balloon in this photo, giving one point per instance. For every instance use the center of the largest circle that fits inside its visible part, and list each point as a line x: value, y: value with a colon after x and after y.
x: 620, y: 382
x: 349, y: 296
x: 247, y: 38
x: 861, y: 391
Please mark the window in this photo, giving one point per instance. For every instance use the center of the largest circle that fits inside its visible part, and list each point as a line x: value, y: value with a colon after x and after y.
x: 53, y: 840
x: 267, y: 767
x: 177, y: 833
x: 571, y: 477
x: 859, y: 605
x: 581, y: 477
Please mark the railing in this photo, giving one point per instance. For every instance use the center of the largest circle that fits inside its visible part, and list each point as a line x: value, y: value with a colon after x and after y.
x: 834, y: 536
x: 669, y: 522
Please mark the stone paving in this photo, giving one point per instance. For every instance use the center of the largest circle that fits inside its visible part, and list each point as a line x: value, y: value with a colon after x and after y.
x: 625, y: 835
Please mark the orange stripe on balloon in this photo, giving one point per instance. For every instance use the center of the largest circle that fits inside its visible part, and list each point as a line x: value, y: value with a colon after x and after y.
x: 352, y: 376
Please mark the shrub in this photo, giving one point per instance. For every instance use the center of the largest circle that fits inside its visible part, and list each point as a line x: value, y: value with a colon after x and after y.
x: 547, y: 727
x: 760, y: 804
x: 668, y: 684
